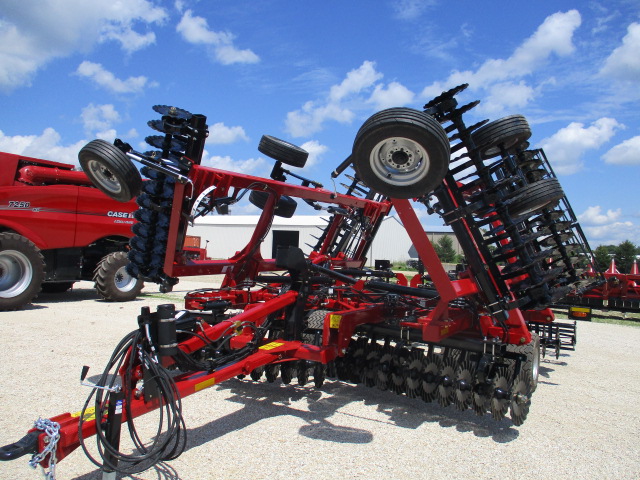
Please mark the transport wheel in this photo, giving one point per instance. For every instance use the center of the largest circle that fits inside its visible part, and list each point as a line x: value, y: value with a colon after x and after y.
x: 285, y: 207
x: 21, y: 271
x: 505, y: 133
x: 113, y: 282
x: 110, y: 170
x: 56, y: 287
x: 401, y: 153
x: 282, y: 151
x: 535, y: 196
x: 531, y: 367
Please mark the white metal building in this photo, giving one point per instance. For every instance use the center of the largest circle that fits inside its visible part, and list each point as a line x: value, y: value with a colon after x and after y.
x: 224, y: 235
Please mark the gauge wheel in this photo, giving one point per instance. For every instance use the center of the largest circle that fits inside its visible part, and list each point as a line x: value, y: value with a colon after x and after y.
x: 113, y: 282
x: 531, y: 366
x: 21, y: 271
x: 504, y: 133
x: 535, y: 196
x: 401, y: 153
x: 110, y: 170
x: 282, y: 151
x: 285, y: 207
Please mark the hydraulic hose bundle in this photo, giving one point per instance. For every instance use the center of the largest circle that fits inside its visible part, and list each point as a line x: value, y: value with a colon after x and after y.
x: 136, y: 353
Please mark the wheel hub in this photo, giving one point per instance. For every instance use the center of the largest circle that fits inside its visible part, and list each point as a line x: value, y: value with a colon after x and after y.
x: 399, y: 161
x: 106, y: 177
x: 124, y: 282
x: 15, y: 273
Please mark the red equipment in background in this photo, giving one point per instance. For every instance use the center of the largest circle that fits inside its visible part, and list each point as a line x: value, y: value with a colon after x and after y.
x: 618, y: 291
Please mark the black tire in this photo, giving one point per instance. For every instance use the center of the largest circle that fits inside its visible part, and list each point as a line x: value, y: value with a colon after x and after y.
x: 531, y: 367
x: 56, y: 287
x: 282, y: 151
x: 110, y: 170
x: 401, y: 153
x: 285, y: 208
x: 112, y: 281
x: 505, y: 133
x: 535, y: 196
x: 21, y: 271
x: 314, y: 322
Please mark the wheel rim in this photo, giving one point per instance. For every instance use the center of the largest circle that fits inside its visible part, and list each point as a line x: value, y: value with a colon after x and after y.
x: 124, y: 282
x: 16, y: 273
x: 104, y: 176
x: 399, y: 161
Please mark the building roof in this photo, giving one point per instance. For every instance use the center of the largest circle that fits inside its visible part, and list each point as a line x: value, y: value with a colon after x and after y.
x: 295, y: 221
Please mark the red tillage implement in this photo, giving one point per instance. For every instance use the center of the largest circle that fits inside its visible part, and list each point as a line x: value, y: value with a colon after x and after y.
x: 461, y: 339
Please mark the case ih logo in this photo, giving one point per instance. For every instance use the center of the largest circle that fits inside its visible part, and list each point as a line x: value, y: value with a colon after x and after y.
x: 119, y: 214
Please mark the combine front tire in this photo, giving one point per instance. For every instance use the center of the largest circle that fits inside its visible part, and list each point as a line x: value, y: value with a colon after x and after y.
x: 401, y: 153
x: 110, y: 170
x: 21, y: 271
x: 112, y: 281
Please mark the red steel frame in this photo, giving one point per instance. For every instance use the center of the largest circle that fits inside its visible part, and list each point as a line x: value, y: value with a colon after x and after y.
x: 438, y: 321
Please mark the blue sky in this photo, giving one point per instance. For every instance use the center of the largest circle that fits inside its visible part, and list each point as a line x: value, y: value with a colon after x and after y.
x: 312, y: 72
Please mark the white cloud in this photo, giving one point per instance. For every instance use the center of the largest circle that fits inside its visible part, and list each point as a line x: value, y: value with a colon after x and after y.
x: 34, y: 33
x: 316, y: 151
x: 593, y: 216
x: 46, y: 146
x: 356, y: 80
x: 553, y: 37
x: 310, y: 118
x: 219, y: 133
x: 251, y: 166
x: 411, y: 9
x: 342, y: 99
x: 624, y: 62
x: 99, y: 117
x: 107, y: 80
x: 566, y: 147
x: 506, y: 95
x: 196, y: 30
x: 393, y: 95
x: 613, y: 233
x: 625, y: 153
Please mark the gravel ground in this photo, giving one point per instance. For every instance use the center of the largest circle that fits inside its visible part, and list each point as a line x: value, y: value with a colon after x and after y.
x: 583, y: 421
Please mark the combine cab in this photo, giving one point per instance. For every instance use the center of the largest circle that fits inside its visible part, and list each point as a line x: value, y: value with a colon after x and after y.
x: 470, y: 341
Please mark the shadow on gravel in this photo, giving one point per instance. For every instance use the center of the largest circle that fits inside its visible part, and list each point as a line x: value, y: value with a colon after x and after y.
x: 74, y: 295
x: 261, y: 400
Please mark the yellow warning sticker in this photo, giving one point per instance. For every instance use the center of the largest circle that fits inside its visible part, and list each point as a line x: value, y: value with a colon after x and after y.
x: 89, y: 414
x: 206, y: 384
x: 271, y: 346
x: 334, y: 321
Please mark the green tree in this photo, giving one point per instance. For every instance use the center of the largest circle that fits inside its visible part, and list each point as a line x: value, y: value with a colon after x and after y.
x: 444, y: 249
x: 625, y: 254
x: 602, y: 257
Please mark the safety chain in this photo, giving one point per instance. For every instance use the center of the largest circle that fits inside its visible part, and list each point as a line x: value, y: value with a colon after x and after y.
x: 52, y: 429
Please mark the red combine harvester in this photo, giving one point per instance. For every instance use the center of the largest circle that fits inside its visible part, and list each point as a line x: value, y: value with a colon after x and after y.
x: 464, y: 341
x: 56, y: 228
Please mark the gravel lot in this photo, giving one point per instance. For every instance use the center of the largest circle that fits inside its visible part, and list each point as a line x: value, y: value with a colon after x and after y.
x: 583, y: 421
